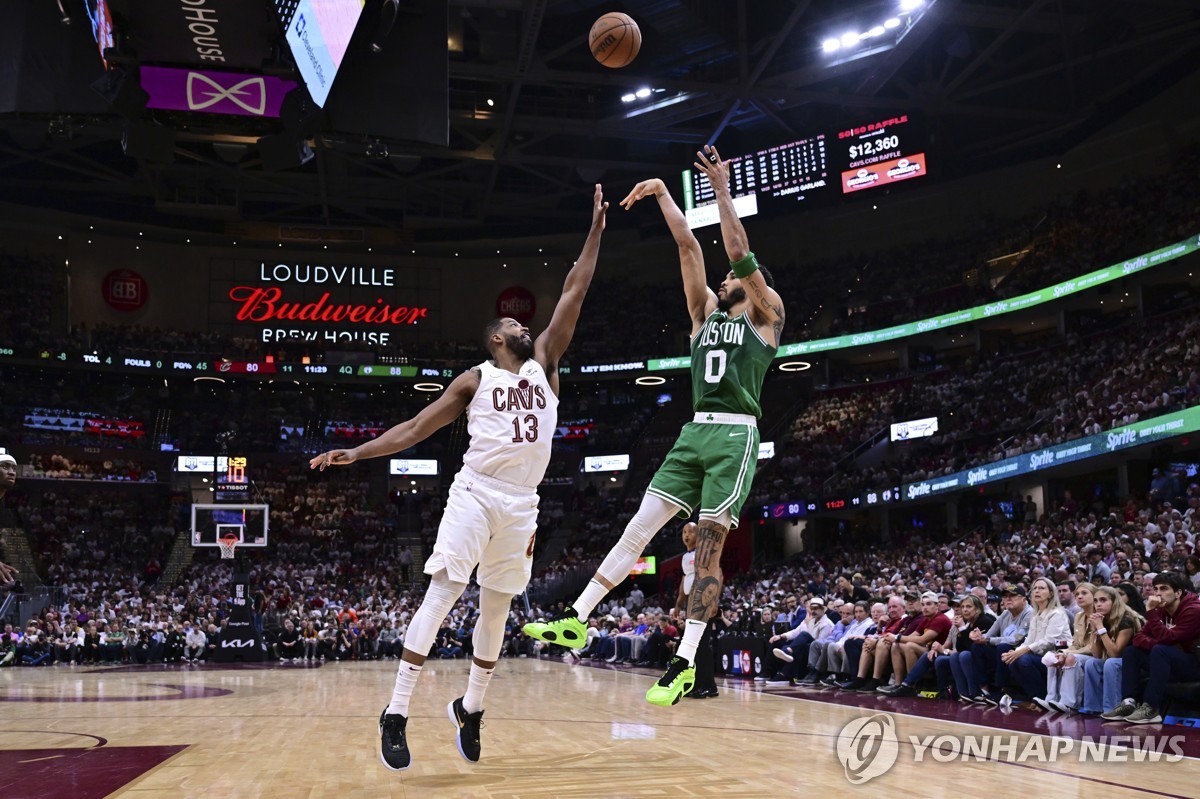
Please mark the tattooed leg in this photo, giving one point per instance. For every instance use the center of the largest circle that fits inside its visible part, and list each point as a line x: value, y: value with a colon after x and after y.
x: 706, y: 593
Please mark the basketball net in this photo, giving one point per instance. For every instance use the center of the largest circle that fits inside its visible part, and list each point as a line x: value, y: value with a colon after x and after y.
x: 227, y: 544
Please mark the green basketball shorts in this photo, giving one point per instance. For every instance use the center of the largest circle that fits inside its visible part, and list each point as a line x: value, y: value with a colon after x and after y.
x: 710, y: 467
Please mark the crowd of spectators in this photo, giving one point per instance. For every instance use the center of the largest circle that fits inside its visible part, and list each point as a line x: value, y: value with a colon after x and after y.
x: 332, y: 586
x: 1002, y: 406
x: 61, y: 467
x: 864, y: 618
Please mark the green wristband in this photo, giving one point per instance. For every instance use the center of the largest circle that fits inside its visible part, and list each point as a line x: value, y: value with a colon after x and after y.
x: 744, y: 267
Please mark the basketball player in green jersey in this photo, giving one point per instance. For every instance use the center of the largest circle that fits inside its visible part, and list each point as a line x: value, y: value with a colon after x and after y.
x: 735, y: 334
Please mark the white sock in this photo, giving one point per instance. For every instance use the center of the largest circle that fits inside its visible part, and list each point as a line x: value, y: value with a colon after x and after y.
x: 477, y: 683
x: 406, y: 680
x: 693, y: 631
x: 590, y: 597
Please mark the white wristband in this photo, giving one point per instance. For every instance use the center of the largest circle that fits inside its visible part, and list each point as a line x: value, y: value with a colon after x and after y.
x: 1101, y: 631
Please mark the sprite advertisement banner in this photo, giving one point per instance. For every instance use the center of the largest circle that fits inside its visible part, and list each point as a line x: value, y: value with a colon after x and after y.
x: 1119, y: 438
x: 1048, y: 294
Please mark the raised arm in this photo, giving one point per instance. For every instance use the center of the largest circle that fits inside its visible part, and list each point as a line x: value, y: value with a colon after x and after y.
x: 555, y: 339
x: 766, y: 305
x: 700, y: 299
x: 433, y: 417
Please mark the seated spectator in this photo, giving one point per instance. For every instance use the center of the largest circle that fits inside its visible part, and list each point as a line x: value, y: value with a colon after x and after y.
x: 390, y: 645
x: 8, y: 646
x: 193, y: 643
x: 91, y: 644
x: 884, y: 646
x: 908, y: 650
x: 328, y: 640
x: 34, y: 647
x: 661, y: 643
x: 112, y: 642
x: 1133, y: 599
x: 818, y: 658
x: 945, y: 656
x: 1065, y: 668
x: 1113, y: 626
x: 448, y: 644
x: 890, y: 623
x: 288, y: 646
x: 629, y: 643
x: 985, y: 668
x: 66, y: 645
x: 816, y: 626
x: 1049, y: 629
x: 861, y: 625
x: 1163, y: 650
x: 932, y: 627
x: 175, y: 639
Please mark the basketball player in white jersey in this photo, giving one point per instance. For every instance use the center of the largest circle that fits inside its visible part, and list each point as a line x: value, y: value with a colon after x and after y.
x: 490, y: 520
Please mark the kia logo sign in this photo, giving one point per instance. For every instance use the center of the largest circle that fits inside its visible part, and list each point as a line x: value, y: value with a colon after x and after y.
x: 517, y: 302
x: 125, y: 290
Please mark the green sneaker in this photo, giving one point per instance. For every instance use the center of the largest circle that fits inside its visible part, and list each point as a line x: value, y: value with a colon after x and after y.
x: 564, y: 629
x: 679, y: 680
x: 1121, y: 711
x: 1144, y: 714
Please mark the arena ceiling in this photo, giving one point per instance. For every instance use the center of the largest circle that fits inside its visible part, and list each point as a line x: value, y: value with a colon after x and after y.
x: 992, y: 81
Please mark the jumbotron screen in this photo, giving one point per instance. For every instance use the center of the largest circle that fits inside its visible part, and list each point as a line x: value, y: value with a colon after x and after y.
x: 319, y: 35
x: 877, y: 153
x: 647, y: 564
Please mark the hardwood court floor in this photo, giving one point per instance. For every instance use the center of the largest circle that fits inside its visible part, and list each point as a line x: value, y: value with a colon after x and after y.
x: 550, y: 730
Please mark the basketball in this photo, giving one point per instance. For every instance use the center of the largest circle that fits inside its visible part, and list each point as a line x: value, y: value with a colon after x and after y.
x: 615, y: 40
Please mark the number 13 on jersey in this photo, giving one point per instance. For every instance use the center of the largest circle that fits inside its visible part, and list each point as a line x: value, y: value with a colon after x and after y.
x: 525, y: 429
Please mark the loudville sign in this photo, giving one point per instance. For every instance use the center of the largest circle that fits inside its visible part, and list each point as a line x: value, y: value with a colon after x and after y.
x: 272, y: 304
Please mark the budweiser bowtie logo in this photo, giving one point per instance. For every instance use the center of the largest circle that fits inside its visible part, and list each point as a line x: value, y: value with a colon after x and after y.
x: 204, y: 92
x: 214, y: 92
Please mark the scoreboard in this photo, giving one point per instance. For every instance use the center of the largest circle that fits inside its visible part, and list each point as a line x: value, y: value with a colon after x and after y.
x: 824, y: 165
x: 229, y: 475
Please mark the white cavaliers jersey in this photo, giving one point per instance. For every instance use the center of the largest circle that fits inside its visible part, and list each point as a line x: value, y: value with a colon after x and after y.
x: 689, y: 570
x: 511, y: 421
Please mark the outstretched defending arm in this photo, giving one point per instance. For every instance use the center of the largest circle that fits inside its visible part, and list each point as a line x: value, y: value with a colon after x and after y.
x: 555, y: 339
x: 433, y: 417
x: 767, y: 305
x: 700, y: 299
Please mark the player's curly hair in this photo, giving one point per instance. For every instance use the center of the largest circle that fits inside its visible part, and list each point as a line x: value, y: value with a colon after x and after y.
x: 489, y: 330
x: 767, y: 276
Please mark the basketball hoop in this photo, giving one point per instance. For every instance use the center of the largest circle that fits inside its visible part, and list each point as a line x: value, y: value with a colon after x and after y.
x: 227, y: 544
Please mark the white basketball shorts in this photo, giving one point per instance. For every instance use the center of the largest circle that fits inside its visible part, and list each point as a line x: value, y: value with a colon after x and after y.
x: 487, y: 523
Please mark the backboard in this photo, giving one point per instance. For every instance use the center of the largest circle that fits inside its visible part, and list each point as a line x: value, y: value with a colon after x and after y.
x: 248, y: 522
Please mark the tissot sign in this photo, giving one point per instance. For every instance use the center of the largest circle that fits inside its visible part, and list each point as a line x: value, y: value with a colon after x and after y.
x: 322, y: 303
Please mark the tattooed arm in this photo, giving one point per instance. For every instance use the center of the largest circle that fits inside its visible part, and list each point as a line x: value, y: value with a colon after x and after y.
x: 766, y: 305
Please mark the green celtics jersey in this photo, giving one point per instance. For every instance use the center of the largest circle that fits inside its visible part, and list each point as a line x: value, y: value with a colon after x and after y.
x: 729, y: 361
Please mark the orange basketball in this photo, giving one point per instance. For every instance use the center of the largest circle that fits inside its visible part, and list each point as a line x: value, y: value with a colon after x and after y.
x: 615, y: 39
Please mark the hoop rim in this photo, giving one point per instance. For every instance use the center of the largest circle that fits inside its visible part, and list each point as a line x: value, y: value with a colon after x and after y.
x: 228, y: 545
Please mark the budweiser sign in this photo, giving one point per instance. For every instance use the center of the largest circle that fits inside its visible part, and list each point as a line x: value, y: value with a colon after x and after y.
x: 259, y: 304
